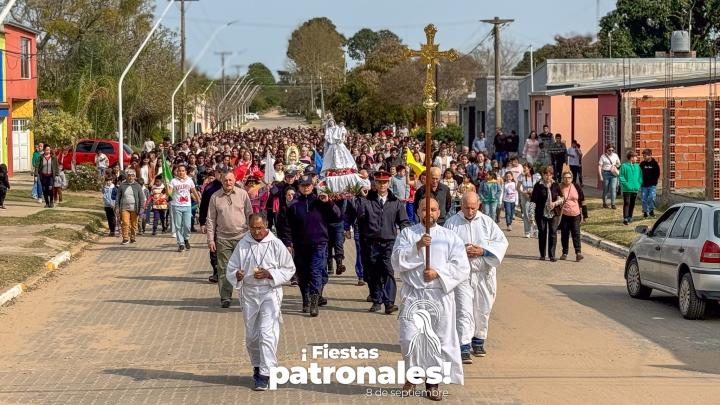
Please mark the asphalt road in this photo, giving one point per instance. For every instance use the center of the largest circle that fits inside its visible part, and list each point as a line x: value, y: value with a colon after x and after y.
x: 140, y: 324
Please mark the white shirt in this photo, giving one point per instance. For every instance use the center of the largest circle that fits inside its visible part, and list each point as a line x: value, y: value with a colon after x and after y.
x: 149, y: 145
x: 573, y: 157
x: 606, y: 162
x: 181, y: 191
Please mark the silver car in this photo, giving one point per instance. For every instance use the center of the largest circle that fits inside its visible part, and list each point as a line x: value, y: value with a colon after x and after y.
x: 679, y: 255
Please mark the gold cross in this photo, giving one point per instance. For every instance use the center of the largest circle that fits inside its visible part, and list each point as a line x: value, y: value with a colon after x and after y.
x: 431, y: 56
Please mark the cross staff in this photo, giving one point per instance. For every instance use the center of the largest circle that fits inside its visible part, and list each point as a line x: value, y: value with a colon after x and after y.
x: 431, y: 56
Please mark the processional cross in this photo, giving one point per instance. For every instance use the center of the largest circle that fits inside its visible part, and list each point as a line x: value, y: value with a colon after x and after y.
x: 431, y: 56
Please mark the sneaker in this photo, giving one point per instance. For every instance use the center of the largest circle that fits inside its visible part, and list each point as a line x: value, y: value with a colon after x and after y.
x: 213, y: 278
x: 466, y: 357
x: 652, y: 214
x: 645, y: 214
x: 261, y: 383
x: 375, y: 308
x: 340, y: 269
x: 552, y: 259
x: 613, y: 207
x: 509, y: 228
x: 225, y: 303
x: 625, y: 221
x: 563, y: 257
x: 2, y: 207
x: 181, y: 248
x: 389, y: 309
x: 605, y: 205
x: 133, y: 241
x: 578, y: 257
x: 527, y: 235
x: 322, y: 301
x: 125, y: 241
x: 187, y: 244
x: 479, y: 351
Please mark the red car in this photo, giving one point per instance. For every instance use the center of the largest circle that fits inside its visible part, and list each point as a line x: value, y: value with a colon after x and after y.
x: 85, y: 151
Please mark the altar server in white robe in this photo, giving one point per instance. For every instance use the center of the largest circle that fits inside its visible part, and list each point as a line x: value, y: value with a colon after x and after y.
x: 427, y: 319
x: 485, y: 245
x: 258, y: 267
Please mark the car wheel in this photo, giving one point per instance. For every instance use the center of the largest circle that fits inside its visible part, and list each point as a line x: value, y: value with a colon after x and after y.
x: 633, y: 282
x: 691, y: 306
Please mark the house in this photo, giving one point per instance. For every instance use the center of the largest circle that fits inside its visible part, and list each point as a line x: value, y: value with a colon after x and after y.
x: 603, y: 101
x: 18, y: 50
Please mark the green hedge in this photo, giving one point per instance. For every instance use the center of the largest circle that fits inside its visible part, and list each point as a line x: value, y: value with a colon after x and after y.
x: 452, y: 133
x: 84, y: 178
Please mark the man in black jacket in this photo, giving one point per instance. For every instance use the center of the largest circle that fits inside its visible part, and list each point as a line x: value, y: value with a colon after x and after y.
x: 209, y: 190
x: 440, y: 192
x: 378, y: 216
x: 305, y: 233
x: 650, y: 174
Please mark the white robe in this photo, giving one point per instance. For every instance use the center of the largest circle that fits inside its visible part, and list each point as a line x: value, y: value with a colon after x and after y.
x: 337, y: 155
x: 475, y: 297
x: 261, y: 299
x: 427, y: 317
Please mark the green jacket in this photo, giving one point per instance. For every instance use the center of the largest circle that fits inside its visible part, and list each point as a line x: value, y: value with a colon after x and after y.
x: 36, y: 159
x: 630, y: 177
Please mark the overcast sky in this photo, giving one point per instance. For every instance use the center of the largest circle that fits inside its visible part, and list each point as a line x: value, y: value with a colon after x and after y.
x: 264, y: 27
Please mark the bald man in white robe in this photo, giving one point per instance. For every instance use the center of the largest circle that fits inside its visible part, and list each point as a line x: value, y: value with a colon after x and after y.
x: 428, y: 337
x: 258, y: 267
x: 485, y: 246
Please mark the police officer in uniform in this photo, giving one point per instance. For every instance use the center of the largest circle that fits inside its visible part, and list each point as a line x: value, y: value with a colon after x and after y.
x: 379, y: 216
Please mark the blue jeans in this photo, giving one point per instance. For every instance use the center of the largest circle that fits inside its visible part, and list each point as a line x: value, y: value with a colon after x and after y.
x: 509, y: 212
x: 358, y: 254
x: 37, y: 188
x: 410, y: 208
x: 648, y: 198
x: 609, y: 187
x: 311, y: 265
x: 490, y: 209
x: 181, y: 220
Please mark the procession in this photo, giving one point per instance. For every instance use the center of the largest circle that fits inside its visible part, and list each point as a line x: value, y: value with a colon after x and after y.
x: 334, y: 203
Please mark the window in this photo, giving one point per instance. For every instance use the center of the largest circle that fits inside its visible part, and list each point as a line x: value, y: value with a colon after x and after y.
x: 105, y: 148
x: 609, y: 130
x: 85, y: 147
x: 127, y: 149
x: 716, y: 223
x: 20, y: 124
x: 696, y: 225
x: 683, y: 224
x: 662, y: 226
x: 25, y: 58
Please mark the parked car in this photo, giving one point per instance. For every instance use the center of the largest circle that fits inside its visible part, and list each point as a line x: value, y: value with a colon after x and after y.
x: 85, y: 152
x: 252, y: 116
x: 679, y: 255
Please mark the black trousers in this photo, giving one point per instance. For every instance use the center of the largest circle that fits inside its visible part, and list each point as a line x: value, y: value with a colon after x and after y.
x: 3, y: 192
x: 547, y: 236
x: 577, y: 174
x: 380, y: 274
x: 570, y: 226
x: 557, y: 168
x: 110, y: 215
x: 47, y: 188
x: 628, y: 204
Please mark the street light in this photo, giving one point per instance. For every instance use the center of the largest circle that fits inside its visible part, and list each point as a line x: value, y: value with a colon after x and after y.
x: 197, y: 60
x: 122, y: 79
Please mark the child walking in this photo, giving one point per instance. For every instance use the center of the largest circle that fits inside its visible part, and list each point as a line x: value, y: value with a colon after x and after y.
x: 4, y: 184
x: 159, y: 204
x: 490, y: 195
x: 510, y: 197
x: 59, y: 183
x: 109, y: 198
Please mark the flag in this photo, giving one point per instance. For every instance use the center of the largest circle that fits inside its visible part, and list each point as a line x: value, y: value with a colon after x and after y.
x: 166, y: 172
x: 318, y: 161
x: 269, y: 169
x: 241, y: 170
x: 416, y: 167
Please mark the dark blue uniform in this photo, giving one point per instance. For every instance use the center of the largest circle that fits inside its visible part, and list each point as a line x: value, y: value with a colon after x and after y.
x: 378, y: 225
x: 306, y: 225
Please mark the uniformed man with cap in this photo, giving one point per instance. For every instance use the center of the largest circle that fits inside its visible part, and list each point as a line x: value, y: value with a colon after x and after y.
x: 305, y: 232
x: 379, y: 215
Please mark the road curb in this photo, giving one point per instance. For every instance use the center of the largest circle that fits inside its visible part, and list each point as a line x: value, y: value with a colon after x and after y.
x: 606, y: 245
x: 50, y: 267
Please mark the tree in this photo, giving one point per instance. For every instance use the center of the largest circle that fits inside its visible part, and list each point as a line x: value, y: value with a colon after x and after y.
x: 578, y: 46
x: 643, y: 27
x: 315, y: 50
x: 366, y: 40
x: 269, y: 94
x: 60, y: 129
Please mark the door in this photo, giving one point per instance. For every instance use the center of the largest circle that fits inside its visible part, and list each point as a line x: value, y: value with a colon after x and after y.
x: 648, y: 248
x: 674, y: 248
x: 21, y: 145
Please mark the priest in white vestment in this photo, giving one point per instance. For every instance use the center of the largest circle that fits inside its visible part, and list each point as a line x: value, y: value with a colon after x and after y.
x: 258, y: 268
x: 427, y: 319
x: 485, y: 245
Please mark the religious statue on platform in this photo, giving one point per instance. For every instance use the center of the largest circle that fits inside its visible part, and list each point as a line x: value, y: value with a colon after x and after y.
x: 339, y: 171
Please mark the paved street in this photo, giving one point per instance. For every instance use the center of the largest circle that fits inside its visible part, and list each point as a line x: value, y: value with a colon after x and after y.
x: 140, y: 324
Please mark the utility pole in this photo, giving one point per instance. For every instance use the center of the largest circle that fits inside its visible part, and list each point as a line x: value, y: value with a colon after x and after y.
x: 222, y: 68
x: 182, y: 69
x: 497, y: 22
